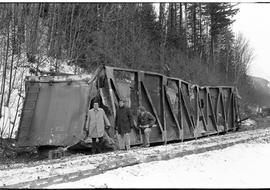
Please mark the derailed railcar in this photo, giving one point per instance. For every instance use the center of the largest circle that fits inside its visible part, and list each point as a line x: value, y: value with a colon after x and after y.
x: 55, y: 108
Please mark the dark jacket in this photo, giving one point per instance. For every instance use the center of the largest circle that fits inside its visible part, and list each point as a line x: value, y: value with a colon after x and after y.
x: 146, y: 118
x: 123, y: 120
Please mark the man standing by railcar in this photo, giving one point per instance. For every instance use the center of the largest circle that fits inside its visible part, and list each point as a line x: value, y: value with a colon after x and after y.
x: 123, y: 124
x: 96, y: 122
x: 145, y: 121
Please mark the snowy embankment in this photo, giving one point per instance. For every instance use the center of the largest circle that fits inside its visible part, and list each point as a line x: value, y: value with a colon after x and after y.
x: 240, y: 166
x: 62, y: 169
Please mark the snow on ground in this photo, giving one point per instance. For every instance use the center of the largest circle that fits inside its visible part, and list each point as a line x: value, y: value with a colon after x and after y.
x: 49, y: 168
x: 249, y: 122
x: 239, y: 166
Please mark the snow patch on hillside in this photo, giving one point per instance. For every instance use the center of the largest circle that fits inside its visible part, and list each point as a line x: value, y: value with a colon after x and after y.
x: 249, y: 122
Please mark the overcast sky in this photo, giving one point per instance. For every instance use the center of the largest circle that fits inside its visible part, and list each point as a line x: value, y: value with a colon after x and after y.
x: 253, y: 21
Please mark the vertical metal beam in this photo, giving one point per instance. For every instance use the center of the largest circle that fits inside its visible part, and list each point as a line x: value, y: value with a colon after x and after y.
x: 218, y: 99
x: 109, y: 75
x: 228, y: 106
x: 237, y: 111
x: 139, y: 93
x: 180, y: 110
x: 111, y: 97
x: 140, y: 76
x: 197, y: 106
x: 223, y: 110
x: 233, y: 113
x: 163, y: 83
x: 206, y: 104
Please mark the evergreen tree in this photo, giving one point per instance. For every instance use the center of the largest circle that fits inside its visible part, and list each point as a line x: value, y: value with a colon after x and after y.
x: 220, y: 15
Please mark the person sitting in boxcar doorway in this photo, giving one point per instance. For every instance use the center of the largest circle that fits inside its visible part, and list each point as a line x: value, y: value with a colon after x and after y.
x: 145, y: 121
x: 123, y: 124
x: 96, y: 123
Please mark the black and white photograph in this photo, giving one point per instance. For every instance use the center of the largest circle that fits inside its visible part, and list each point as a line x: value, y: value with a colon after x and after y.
x: 134, y: 94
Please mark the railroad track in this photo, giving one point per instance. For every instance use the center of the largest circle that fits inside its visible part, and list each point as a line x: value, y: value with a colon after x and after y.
x: 75, y: 168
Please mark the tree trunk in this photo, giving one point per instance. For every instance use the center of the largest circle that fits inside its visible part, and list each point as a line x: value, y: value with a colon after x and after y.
x: 52, y: 33
x: 174, y: 18
x: 4, y: 72
x: 185, y: 30
x: 227, y: 64
x: 212, y: 42
x: 15, y: 117
x: 201, y: 49
x: 180, y: 18
x: 12, y: 58
x: 200, y: 27
x: 212, y: 50
x: 163, y: 33
x: 194, y: 28
x: 70, y: 34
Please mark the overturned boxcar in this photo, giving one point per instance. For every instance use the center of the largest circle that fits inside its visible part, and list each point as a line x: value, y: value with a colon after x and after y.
x: 55, y: 107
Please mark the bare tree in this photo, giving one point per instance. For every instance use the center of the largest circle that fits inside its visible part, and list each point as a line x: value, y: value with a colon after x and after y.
x: 5, y: 65
x: 12, y: 56
x: 243, y: 56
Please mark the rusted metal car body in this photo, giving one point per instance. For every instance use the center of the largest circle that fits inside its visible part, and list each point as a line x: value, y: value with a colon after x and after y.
x: 55, y: 108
